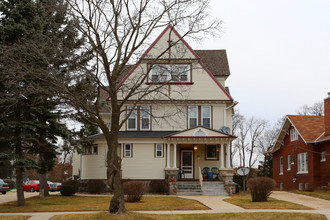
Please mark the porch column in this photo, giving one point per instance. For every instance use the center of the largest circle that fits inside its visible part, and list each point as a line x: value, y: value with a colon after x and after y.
x: 222, y: 161
x: 228, y: 156
x: 174, y: 156
x: 168, y: 156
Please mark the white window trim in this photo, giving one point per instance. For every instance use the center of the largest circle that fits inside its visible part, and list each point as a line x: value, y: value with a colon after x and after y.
x: 293, y: 134
x: 323, y: 158
x: 130, y: 151
x: 192, y: 117
x: 128, y: 110
x: 168, y: 73
x: 162, y: 150
x: 281, y: 165
x: 202, y: 115
x: 299, y: 157
x: 289, y: 162
x: 144, y: 129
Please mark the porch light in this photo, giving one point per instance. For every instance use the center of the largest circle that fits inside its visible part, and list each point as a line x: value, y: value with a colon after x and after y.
x: 195, y: 147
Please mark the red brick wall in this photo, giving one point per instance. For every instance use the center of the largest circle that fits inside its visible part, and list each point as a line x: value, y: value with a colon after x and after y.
x: 327, y: 116
x: 322, y: 168
x: 293, y: 148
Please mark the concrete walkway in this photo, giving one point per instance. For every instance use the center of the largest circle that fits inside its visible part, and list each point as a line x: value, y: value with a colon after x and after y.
x: 217, y: 205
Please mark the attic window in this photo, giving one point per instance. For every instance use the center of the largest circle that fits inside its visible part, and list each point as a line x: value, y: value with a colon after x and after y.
x: 170, y: 73
x: 293, y: 134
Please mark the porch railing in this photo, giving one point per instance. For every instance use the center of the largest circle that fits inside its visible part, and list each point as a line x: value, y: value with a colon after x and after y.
x: 200, y: 177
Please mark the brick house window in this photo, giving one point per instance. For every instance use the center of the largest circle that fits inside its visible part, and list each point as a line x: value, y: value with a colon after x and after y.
x: 281, y: 165
x: 289, y: 162
x: 323, y: 156
x: 303, y: 163
x: 293, y: 134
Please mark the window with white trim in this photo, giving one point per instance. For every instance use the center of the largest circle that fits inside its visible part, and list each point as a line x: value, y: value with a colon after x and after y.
x: 128, y: 150
x: 293, y: 134
x: 132, y: 119
x: 303, y: 163
x: 192, y: 116
x: 323, y: 156
x: 90, y: 150
x: 170, y: 73
x: 281, y: 165
x: 289, y: 162
x: 206, y: 116
x: 145, y: 117
x: 159, y: 150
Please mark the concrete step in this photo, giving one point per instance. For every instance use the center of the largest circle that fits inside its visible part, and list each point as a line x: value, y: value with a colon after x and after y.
x: 210, y: 188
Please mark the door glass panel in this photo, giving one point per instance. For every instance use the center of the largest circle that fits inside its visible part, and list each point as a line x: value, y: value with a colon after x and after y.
x: 186, y: 157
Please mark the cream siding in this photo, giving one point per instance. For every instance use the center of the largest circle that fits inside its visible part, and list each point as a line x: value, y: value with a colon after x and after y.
x: 94, y: 166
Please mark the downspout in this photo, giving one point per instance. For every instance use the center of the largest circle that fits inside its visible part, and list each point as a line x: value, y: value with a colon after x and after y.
x: 225, y: 112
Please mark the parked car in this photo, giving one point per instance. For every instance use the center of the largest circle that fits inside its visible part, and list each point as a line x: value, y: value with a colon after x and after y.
x: 58, y: 186
x: 32, y: 185
x: 4, y: 187
x: 52, y: 186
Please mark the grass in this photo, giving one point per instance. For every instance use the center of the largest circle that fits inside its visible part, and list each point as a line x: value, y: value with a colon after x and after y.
x: 243, y: 199
x: 100, y: 203
x: 14, y: 217
x: 322, y: 194
x: 227, y: 216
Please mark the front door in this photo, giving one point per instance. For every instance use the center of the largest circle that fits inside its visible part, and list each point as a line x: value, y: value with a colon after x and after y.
x: 187, y: 164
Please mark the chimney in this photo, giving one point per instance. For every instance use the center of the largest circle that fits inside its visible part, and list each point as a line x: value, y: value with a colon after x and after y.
x: 327, y: 115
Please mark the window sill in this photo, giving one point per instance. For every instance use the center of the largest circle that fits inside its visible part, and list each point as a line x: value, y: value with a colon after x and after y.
x: 302, y: 172
x: 288, y: 170
x: 170, y: 83
x: 211, y: 159
x: 281, y: 174
x: 322, y: 160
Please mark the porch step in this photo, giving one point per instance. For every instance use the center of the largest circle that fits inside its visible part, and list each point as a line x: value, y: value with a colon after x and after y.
x: 214, y: 188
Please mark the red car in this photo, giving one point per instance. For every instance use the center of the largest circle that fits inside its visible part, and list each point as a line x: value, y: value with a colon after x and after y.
x: 32, y: 185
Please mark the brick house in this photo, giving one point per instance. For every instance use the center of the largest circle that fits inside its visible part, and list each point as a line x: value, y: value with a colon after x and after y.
x: 301, y: 154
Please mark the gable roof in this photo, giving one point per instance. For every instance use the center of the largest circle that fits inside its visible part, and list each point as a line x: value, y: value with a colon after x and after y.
x: 215, y: 61
x: 200, y: 131
x: 309, y: 127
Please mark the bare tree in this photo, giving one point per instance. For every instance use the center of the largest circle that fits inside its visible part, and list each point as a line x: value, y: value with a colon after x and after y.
x: 117, y: 32
x: 241, y: 143
x: 315, y: 109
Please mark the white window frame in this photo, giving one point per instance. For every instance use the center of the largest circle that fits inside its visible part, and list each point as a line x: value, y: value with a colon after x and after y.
x: 164, y: 73
x: 289, y: 162
x: 202, y: 115
x: 132, y: 116
x: 189, y: 115
x: 159, y: 150
x: 144, y: 110
x: 302, y: 163
x: 129, y: 151
x: 293, y: 134
x: 323, y: 158
x: 281, y: 165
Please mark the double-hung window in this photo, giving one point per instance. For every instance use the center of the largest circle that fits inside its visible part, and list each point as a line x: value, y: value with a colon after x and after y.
x: 211, y: 152
x: 293, y: 134
x: 145, y: 117
x: 323, y: 156
x: 281, y: 165
x: 206, y: 116
x: 303, y: 163
x: 159, y: 150
x: 169, y: 73
x: 128, y: 150
x: 289, y: 162
x: 192, y: 116
x: 132, y: 119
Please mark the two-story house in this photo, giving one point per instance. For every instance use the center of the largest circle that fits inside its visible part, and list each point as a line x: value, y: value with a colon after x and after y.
x: 301, y: 154
x: 177, y: 129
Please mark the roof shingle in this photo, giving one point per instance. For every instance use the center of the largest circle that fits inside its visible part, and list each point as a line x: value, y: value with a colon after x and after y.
x: 310, y: 127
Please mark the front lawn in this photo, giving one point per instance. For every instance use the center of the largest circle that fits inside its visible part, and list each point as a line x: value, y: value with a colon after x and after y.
x: 322, y: 194
x: 14, y: 217
x: 227, y: 216
x: 100, y: 203
x: 243, y: 199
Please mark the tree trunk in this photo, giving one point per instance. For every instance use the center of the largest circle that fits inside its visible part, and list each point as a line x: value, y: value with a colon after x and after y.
x: 43, y: 191
x: 19, y: 187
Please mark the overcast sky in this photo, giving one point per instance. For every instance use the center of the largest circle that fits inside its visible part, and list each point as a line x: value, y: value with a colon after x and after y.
x: 278, y: 53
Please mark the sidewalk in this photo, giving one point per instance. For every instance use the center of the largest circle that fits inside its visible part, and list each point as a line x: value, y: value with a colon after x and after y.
x: 217, y: 205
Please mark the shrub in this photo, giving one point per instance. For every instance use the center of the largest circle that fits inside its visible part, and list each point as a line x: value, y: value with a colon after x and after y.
x: 260, y: 188
x: 95, y: 186
x: 134, y: 190
x: 74, y: 183
x: 158, y: 186
x: 68, y: 190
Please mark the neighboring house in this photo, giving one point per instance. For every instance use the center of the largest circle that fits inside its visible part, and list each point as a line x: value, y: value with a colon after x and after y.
x: 301, y: 154
x: 188, y: 138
